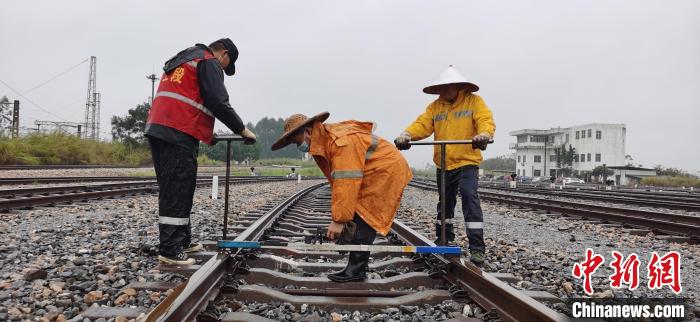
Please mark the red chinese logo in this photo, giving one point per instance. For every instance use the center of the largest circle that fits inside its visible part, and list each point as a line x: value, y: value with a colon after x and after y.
x: 662, y: 271
x: 665, y: 271
x: 587, y: 268
x: 625, y: 272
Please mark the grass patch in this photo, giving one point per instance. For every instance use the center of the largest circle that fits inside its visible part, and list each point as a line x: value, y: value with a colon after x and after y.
x: 664, y: 181
x: 58, y: 148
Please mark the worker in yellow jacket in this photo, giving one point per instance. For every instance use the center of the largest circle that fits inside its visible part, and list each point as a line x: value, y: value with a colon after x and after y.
x: 367, y: 175
x: 457, y: 114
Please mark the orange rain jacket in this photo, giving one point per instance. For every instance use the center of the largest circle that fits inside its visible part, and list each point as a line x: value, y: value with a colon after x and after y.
x: 367, y: 174
x: 464, y: 119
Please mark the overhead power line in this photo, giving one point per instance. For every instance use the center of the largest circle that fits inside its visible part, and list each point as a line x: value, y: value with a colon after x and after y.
x: 57, y: 76
x: 30, y: 101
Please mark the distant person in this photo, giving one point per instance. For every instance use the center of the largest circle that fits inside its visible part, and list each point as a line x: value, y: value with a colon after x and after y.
x: 457, y: 114
x: 367, y: 175
x: 190, y: 95
x: 252, y: 171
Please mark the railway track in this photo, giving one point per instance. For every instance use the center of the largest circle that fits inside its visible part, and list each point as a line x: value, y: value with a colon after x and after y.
x: 52, y: 180
x: 655, y: 201
x: 228, y: 285
x: 656, y: 221
x: 23, y: 198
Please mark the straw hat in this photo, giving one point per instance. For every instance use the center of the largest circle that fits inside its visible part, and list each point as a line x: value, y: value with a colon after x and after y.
x: 294, y: 123
x: 450, y: 76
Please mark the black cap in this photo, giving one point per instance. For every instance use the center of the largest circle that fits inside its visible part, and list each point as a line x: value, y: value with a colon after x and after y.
x: 232, y: 54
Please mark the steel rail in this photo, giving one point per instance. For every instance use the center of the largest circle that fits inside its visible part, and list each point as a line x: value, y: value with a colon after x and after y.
x: 647, y: 201
x: 486, y: 290
x: 36, y: 180
x: 664, y: 222
x: 186, y: 303
x: 65, y: 194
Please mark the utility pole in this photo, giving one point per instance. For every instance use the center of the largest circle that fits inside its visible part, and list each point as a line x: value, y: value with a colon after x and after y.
x: 153, y: 79
x: 15, y: 120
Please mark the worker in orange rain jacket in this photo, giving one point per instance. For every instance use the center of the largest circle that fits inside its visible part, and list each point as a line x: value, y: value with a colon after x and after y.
x: 457, y: 114
x: 367, y: 175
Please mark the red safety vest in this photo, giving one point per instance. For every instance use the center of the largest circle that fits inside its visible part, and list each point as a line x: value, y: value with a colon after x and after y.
x: 178, y: 103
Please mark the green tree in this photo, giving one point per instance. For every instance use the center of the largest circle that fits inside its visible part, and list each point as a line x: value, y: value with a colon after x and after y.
x: 268, y: 130
x: 503, y: 162
x: 565, y: 159
x: 670, y: 172
x: 601, y: 171
x: 239, y: 151
x: 129, y: 129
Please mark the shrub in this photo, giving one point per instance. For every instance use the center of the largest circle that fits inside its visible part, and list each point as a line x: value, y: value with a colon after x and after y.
x: 666, y: 181
x: 59, y: 148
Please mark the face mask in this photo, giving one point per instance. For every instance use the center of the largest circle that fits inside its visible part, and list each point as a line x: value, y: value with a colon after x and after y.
x: 304, y: 147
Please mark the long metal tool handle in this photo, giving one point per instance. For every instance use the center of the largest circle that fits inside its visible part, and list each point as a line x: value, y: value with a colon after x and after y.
x: 228, y: 139
x: 228, y: 176
x: 443, y: 144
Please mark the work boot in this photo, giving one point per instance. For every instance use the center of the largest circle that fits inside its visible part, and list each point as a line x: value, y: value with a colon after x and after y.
x: 179, y: 259
x: 193, y: 247
x: 356, y: 270
x: 477, y: 257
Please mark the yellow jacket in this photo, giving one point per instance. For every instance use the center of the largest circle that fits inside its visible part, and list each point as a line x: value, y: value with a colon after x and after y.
x: 464, y: 119
x: 367, y: 174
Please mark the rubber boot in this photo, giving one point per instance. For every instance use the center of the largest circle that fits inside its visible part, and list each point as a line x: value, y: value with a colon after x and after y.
x: 356, y: 270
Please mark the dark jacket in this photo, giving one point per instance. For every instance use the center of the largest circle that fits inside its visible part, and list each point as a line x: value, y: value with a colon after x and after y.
x: 210, y: 77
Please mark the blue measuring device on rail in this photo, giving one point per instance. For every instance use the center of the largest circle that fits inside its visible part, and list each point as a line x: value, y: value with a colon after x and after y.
x: 444, y: 250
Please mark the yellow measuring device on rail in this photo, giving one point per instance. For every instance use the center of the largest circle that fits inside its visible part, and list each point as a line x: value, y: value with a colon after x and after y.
x: 445, y: 250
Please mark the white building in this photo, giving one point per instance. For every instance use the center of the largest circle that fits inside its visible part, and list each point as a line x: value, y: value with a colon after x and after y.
x: 595, y: 144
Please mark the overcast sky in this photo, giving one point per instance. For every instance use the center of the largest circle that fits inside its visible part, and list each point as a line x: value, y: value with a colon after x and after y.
x: 539, y: 64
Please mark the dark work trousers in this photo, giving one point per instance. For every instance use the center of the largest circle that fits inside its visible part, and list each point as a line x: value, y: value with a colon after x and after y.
x: 364, y: 233
x: 176, y: 171
x: 466, y: 180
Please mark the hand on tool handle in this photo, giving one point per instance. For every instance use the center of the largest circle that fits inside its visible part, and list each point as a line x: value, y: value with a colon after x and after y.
x: 480, y: 141
x: 248, y: 136
x: 402, y: 142
x: 343, y: 232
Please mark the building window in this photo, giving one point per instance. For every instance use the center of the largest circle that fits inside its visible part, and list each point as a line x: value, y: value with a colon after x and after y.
x: 597, y: 157
x: 583, y: 157
x: 575, y: 157
x: 553, y: 158
x: 522, y: 138
x: 599, y: 135
x: 576, y: 135
x: 538, y: 158
x: 538, y: 139
x: 589, y: 157
x: 567, y: 137
x: 518, y: 158
x: 589, y: 133
x: 537, y: 173
x: 524, y: 158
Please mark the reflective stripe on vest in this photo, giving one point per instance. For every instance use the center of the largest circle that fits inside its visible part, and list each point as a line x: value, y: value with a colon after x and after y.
x: 346, y: 174
x: 186, y: 100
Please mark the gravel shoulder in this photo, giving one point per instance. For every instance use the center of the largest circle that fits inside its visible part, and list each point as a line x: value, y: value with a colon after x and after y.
x: 542, y: 249
x: 61, y: 260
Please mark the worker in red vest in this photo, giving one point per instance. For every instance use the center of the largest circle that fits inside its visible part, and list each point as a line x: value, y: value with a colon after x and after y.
x: 190, y: 95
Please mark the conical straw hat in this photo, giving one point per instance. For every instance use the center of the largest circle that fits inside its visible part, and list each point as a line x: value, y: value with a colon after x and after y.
x: 450, y: 76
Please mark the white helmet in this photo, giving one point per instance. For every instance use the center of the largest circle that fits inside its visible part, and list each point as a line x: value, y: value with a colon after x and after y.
x: 450, y: 76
